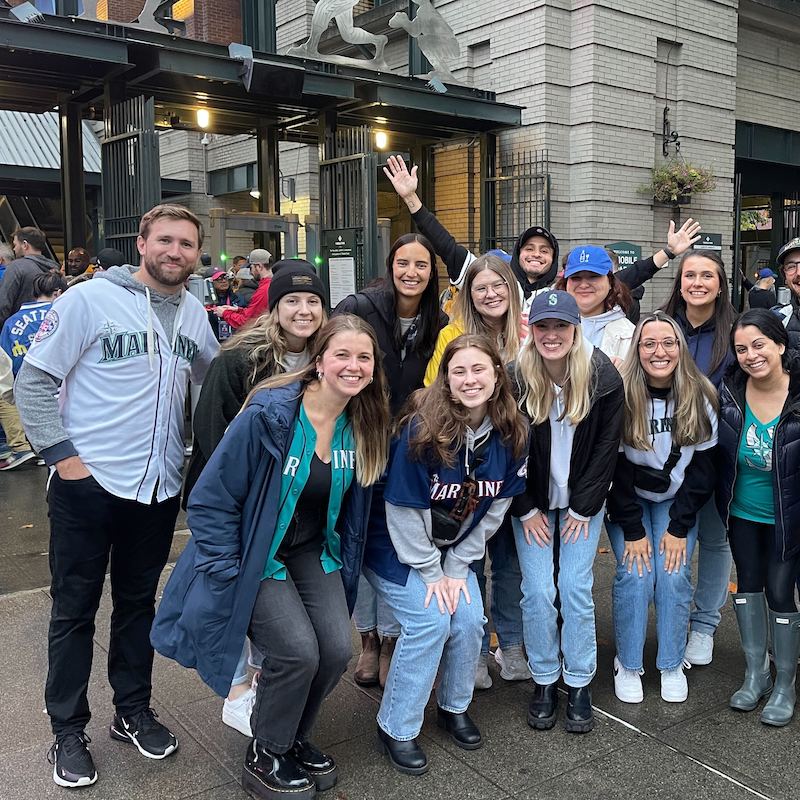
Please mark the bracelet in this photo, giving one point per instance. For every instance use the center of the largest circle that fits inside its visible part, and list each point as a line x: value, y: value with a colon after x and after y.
x: 669, y: 254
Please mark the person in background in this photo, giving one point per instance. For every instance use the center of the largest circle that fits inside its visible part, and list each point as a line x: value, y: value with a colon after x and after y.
x: 789, y: 263
x: 665, y: 473
x: 237, y: 262
x: 16, y: 287
x: 574, y: 398
x: 225, y: 297
x: 259, y: 301
x: 763, y: 295
x: 758, y: 497
x: 109, y: 257
x: 701, y: 305
x: 6, y: 257
x: 278, y: 520
x: 634, y: 308
x: 77, y: 262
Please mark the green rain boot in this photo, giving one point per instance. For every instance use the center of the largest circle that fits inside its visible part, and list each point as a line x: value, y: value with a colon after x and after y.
x: 786, y: 646
x: 751, y: 614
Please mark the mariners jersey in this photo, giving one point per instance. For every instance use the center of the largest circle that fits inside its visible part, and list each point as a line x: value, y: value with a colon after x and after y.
x: 20, y: 328
x: 121, y: 405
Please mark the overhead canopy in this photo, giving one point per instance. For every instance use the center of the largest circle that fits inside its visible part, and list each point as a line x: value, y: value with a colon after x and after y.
x: 43, y: 65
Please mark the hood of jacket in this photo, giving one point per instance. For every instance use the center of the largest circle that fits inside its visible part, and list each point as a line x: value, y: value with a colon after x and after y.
x: 278, y: 409
x: 44, y: 263
x: 593, y: 327
x: 543, y: 281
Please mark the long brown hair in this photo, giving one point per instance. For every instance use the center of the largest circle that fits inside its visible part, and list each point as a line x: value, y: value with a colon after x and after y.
x: 691, y: 393
x: 440, y: 422
x: 618, y: 294
x: 368, y: 411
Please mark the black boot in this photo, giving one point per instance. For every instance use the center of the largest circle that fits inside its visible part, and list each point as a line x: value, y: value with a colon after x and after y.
x: 321, y: 767
x: 463, y: 731
x: 406, y: 757
x: 543, y: 707
x: 275, y: 776
x: 580, y: 717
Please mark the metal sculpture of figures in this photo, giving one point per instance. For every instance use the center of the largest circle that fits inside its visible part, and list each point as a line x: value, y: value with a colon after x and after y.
x: 342, y: 12
x: 147, y: 19
x: 436, y: 40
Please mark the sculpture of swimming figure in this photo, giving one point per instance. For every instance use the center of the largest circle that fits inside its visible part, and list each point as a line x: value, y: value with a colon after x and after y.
x: 436, y: 40
x: 342, y: 11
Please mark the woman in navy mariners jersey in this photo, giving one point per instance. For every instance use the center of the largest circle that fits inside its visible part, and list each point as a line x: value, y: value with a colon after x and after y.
x: 457, y: 461
x: 574, y: 398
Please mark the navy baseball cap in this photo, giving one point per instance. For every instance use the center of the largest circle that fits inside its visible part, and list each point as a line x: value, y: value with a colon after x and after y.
x: 588, y: 258
x: 766, y: 273
x: 554, y: 304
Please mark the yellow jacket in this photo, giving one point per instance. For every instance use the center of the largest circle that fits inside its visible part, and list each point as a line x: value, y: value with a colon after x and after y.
x: 446, y: 335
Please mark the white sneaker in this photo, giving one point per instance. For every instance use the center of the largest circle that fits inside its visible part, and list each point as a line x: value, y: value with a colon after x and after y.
x: 699, y: 648
x: 674, y: 688
x: 513, y: 664
x: 483, y: 680
x: 236, y: 713
x: 628, y: 683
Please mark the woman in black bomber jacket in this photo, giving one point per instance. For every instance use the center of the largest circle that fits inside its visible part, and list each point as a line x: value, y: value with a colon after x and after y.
x: 759, y: 498
x: 574, y: 398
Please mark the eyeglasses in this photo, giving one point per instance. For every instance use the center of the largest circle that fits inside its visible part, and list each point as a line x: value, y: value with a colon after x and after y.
x: 651, y: 345
x: 790, y: 267
x: 500, y: 287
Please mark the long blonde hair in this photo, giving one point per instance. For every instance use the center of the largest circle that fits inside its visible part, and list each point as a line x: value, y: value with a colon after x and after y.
x: 465, y: 312
x: 441, y: 422
x: 265, y: 343
x: 691, y: 391
x: 368, y: 411
x: 537, y: 385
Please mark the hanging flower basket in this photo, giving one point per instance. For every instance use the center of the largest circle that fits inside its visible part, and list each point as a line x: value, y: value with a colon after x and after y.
x: 677, y: 181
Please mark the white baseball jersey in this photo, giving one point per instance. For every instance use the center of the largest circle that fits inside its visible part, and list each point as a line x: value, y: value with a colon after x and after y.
x: 121, y: 405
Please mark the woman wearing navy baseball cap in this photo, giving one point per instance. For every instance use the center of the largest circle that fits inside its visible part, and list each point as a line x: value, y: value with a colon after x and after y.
x: 573, y: 396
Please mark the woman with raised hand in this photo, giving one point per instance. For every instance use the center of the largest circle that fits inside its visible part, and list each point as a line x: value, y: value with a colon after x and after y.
x: 278, y: 520
x: 759, y: 495
x: 664, y: 475
x: 404, y: 312
x: 573, y: 396
x: 489, y: 304
x: 700, y: 304
x: 277, y: 342
x: 458, y: 459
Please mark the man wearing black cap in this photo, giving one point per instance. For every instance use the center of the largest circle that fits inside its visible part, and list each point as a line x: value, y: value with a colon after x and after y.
x: 789, y: 261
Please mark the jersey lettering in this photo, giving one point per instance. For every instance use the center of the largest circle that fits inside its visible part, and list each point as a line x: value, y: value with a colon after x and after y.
x: 663, y: 425
x: 186, y: 348
x: 291, y: 465
x: 344, y: 459
x: 449, y: 491
x: 121, y: 346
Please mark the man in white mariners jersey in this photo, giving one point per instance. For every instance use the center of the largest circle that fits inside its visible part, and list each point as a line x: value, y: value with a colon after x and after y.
x: 122, y: 348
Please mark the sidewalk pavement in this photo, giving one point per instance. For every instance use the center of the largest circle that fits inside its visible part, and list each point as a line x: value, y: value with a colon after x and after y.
x: 699, y: 748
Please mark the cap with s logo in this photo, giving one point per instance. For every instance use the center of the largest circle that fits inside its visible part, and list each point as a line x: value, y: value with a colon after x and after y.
x: 554, y: 304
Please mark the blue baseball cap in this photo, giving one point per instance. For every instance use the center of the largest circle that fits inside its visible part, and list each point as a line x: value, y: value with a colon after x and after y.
x: 500, y: 254
x: 554, y: 304
x: 766, y: 273
x: 588, y: 258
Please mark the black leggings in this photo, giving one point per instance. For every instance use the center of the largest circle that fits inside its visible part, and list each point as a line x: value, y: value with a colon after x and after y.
x: 757, y: 567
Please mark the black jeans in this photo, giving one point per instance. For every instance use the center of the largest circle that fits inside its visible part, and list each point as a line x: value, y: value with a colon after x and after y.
x: 87, y: 525
x: 757, y: 567
x: 302, y: 627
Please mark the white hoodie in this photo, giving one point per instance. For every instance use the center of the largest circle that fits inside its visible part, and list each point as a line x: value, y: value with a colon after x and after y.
x: 610, y: 332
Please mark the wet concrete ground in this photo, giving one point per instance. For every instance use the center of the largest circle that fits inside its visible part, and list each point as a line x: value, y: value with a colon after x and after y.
x: 699, y: 748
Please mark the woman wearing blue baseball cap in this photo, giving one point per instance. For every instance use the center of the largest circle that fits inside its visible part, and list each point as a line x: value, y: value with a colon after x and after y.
x: 573, y: 396
x: 602, y: 299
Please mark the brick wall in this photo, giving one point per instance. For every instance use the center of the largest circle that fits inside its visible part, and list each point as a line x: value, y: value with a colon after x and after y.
x: 218, y: 21
x: 123, y: 10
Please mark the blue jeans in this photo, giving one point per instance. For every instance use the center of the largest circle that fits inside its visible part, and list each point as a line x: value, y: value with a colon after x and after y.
x: 713, y: 570
x: 506, y: 588
x: 578, y: 642
x: 671, y: 593
x: 429, y: 641
x: 371, y: 612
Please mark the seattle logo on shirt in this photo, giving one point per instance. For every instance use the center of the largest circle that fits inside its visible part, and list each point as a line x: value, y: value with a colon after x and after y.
x: 760, y: 447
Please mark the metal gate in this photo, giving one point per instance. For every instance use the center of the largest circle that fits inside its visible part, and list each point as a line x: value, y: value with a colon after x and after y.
x: 521, y: 191
x: 131, y: 174
x: 349, y: 193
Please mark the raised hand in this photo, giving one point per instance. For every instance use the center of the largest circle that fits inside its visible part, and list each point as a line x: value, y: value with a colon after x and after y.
x: 681, y: 240
x: 404, y: 182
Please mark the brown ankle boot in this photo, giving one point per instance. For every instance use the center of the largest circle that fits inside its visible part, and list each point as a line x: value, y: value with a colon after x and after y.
x: 366, y: 673
x: 385, y: 661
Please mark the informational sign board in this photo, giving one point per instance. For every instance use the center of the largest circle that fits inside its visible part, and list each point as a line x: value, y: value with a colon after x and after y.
x: 339, y: 247
x: 709, y: 241
x: 627, y: 252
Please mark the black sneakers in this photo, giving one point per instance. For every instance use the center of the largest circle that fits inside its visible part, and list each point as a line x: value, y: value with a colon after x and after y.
x: 72, y: 761
x: 143, y: 729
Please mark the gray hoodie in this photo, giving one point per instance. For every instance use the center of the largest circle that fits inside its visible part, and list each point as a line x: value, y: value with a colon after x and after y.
x: 37, y: 390
x: 16, y: 287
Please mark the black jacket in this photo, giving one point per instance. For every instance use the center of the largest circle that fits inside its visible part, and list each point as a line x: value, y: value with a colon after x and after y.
x: 16, y: 287
x: 594, y: 449
x: 403, y: 375
x: 247, y: 288
x: 785, y: 457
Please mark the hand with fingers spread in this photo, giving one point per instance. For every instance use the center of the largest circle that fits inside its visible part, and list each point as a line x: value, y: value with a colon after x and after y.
x: 404, y: 182
x: 439, y: 590
x: 537, y: 529
x: 637, y: 554
x: 674, y: 547
x: 453, y: 589
x: 681, y: 240
x: 572, y: 528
